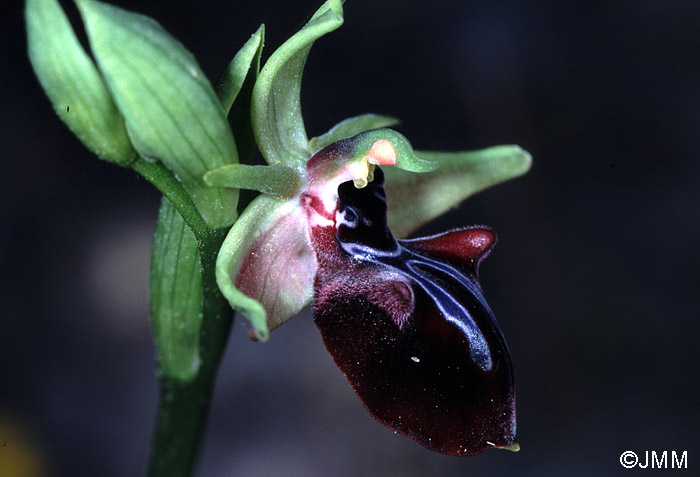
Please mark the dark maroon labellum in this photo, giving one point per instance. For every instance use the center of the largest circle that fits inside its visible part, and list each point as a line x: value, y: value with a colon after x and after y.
x: 407, y: 323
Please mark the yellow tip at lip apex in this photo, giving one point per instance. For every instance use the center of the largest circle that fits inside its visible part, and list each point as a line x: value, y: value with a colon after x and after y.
x: 514, y: 447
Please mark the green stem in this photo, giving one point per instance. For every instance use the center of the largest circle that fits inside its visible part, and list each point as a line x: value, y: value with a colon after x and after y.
x: 218, y: 315
x: 183, y: 406
x: 180, y: 420
x: 163, y: 179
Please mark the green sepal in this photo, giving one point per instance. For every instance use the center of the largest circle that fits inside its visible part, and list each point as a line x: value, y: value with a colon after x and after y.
x: 171, y: 111
x: 265, y: 267
x: 275, y: 108
x: 72, y: 83
x: 415, y: 199
x: 176, y: 295
x: 276, y: 180
x: 235, y: 89
x: 351, y: 127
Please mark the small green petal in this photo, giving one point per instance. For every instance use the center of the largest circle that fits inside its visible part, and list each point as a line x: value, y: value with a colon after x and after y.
x: 276, y: 180
x: 276, y: 108
x: 265, y: 267
x: 172, y: 113
x: 72, y: 83
x: 239, y: 113
x: 351, y: 127
x: 415, y: 199
x: 235, y: 89
x: 247, y: 59
x: 176, y: 295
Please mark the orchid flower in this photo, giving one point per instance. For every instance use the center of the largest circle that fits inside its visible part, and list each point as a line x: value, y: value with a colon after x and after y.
x: 406, y: 321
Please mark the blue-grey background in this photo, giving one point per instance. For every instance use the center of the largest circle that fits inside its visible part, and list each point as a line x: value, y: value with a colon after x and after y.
x: 594, y: 279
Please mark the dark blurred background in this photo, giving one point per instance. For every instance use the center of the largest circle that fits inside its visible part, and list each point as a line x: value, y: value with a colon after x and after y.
x: 594, y: 280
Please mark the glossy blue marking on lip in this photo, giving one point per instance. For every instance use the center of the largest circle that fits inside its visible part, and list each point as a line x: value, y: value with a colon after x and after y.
x: 363, y: 234
x: 427, y: 273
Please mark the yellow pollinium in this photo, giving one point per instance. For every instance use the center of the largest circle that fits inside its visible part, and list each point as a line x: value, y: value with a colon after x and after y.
x: 366, y: 174
x: 381, y: 153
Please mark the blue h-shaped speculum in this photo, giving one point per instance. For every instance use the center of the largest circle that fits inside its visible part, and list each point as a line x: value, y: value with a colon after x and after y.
x: 363, y: 234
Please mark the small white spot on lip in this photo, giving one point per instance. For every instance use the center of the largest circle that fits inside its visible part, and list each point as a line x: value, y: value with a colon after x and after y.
x: 415, y: 359
x: 317, y: 220
x: 490, y: 443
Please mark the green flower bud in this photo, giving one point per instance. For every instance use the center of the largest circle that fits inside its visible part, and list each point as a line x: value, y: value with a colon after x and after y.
x: 70, y: 79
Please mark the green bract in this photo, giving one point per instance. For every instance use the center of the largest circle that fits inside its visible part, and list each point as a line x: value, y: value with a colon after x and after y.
x: 176, y: 295
x: 171, y: 111
x: 147, y: 98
